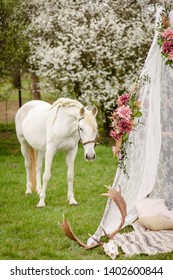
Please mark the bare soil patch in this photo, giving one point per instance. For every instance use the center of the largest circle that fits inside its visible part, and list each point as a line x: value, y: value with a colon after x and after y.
x: 8, y: 111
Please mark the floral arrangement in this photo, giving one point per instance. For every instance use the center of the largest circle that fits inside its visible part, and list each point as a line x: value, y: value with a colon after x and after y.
x: 125, y: 119
x: 165, y: 38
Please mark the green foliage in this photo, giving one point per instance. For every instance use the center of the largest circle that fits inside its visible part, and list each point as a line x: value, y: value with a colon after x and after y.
x: 30, y: 233
x: 14, y: 49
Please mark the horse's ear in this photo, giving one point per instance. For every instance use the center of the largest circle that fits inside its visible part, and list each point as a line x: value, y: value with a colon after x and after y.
x: 94, y: 111
x: 82, y: 112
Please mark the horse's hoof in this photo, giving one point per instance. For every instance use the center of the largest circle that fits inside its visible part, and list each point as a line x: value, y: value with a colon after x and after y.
x: 40, y: 205
x: 28, y: 192
x: 74, y: 203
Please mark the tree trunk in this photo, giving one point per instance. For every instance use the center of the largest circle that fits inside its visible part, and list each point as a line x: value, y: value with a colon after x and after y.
x: 19, y: 91
x: 36, y: 87
x: 16, y: 81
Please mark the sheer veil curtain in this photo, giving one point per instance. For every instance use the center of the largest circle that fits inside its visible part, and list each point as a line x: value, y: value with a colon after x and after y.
x: 150, y: 156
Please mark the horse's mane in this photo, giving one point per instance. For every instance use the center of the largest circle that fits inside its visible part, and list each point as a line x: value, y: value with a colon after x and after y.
x: 66, y: 102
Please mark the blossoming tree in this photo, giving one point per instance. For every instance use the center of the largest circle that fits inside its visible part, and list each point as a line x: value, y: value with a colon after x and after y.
x: 89, y: 49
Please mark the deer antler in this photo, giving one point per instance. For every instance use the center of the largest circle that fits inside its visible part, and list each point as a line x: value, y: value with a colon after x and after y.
x: 66, y: 227
x: 121, y: 204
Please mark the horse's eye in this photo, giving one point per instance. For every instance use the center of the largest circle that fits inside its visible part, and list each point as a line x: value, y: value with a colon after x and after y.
x: 81, y: 129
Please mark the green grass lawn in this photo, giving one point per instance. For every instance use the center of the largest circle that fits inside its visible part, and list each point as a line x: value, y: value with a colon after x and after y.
x: 27, y: 232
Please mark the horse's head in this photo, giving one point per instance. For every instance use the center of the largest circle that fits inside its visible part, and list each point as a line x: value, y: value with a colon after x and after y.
x: 88, y: 131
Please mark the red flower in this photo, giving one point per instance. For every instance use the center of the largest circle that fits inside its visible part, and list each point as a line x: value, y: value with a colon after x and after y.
x: 125, y: 126
x: 167, y: 46
x: 116, y: 136
x: 123, y: 99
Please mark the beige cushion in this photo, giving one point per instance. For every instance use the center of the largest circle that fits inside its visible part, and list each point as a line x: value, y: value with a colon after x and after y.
x: 157, y: 222
x: 151, y: 207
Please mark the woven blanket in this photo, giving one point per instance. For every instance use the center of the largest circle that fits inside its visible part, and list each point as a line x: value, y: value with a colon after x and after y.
x: 140, y: 241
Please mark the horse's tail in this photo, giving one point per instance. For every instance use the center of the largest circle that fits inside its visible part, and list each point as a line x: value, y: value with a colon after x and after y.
x: 32, y: 155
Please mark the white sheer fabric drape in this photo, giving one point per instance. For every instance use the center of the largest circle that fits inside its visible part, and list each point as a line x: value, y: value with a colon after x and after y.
x: 150, y: 156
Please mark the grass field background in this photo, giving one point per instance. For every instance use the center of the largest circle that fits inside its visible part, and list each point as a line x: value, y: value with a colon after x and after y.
x: 31, y: 233
x: 27, y: 232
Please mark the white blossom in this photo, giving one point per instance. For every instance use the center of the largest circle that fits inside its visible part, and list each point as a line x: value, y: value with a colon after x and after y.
x: 89, y: 49
x: 111, y: 249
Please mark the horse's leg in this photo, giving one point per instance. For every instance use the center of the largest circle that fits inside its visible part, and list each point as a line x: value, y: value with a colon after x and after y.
x: 50, y: 151
x: 25, y: 153
x: 70, y: 175
x: 40, y: 157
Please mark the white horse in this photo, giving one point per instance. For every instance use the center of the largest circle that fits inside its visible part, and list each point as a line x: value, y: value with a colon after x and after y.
x: 46, y: 128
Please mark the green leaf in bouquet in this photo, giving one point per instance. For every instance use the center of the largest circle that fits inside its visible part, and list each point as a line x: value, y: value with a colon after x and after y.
x: 168, y: 62
x: 138, y: 114
x: 160, y: 41
x: 125, y: 137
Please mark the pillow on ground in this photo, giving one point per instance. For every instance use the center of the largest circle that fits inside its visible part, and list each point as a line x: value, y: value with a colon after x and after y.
x: 170, y: 215
x: 157, y: 222
x: 151, y: 207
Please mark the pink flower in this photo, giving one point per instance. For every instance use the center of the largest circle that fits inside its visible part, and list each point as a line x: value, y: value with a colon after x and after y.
x: 116, y: 136
x: 171, y: 55
x: 167, y: 46
x: 124, y: 112
x: 117, y: 152
x: 114, y: 115
x: 123, y: 99
x: 119, y: 155
x: 125, y: 126
x: 114, y: 123
x: 167, y: 34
